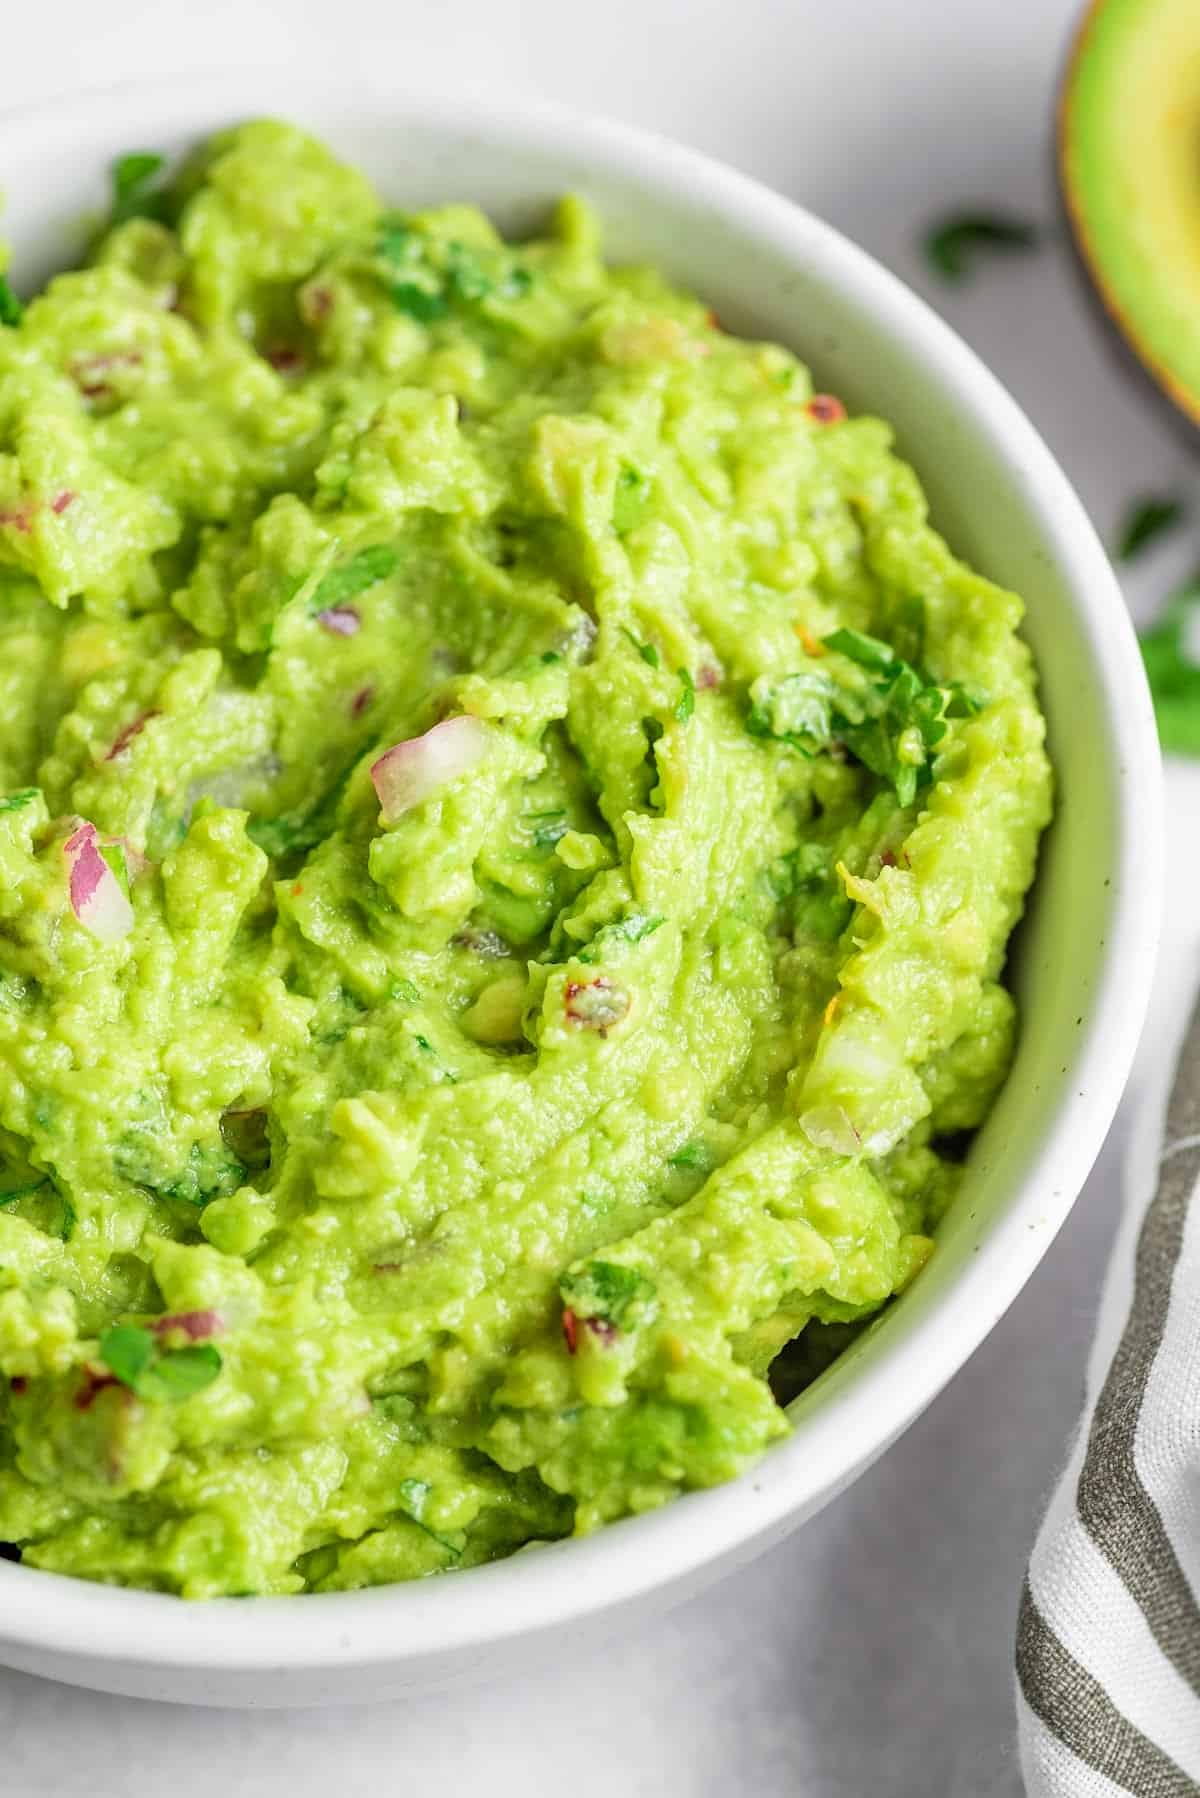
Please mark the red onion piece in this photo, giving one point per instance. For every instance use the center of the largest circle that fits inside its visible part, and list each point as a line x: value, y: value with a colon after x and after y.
x: 343, y: 621
x: 197, y: 1326
x: 98, y: 897
x: 20, y: 517
x: 410, y: 771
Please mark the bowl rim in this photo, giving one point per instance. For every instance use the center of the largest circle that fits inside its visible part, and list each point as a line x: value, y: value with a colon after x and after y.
x: 536, y: 1590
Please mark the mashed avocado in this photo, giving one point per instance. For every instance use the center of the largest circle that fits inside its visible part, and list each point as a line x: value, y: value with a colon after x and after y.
x: 512, y: 823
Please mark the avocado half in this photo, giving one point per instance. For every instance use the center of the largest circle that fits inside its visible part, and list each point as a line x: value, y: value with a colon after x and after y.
x: 1129, y: 162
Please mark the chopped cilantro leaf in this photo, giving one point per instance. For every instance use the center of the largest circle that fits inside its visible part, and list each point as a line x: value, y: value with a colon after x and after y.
x: 610, y: 1292
x: 133, y: 195
x: 183, y: 1371
x: 685, y: 705
x: 1147, y: 520
x: 695, y: 1154
x: 396, y: 241
x: 647, y: 651
x: 625, y: 930
x: 133, y: 1355
x: 424, y: 276
x: 952, y: 245
x: 891, y: 723
x: 127, y: 1351
x: 631, y: 495
x: 797, y: 710
x: 421, y: 303
x: 805, y: 869
x: 548, y: 828
x: 210, y: 1172
x: 21, y: 797
x: 354, y: 577
x: 51, y: 1210
x: 426, y: 1047
x: 11, y: 309
x: 413, y: 1497
x: 857, y: 646
x: 465, y: 278
x: 68, y: 1218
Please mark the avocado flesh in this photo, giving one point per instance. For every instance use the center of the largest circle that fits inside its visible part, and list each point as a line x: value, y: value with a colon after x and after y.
x: 1129, y: 151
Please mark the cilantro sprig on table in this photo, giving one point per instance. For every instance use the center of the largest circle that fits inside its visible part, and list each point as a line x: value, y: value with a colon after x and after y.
x: 892, y: 722
x: 953, y: 244
x: 1146, y: 521
x: 135, y: 1357
x: 1171, y: 651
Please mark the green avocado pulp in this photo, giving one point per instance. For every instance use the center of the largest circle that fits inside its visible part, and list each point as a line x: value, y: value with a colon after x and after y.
x: 400, y: 1164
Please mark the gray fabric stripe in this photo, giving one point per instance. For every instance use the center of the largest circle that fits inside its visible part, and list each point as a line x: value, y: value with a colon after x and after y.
x: 1183, y: 1111
x: 1114, y: 1505
x: 1079, y: 1711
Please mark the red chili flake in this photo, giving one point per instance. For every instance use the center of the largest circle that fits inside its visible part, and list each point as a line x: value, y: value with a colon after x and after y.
x: 570, y: 1330
x: 709, y: 675
x: 825, y: 408
x: 284, y: 359
x: 197, y: 1326
x: 20, y: 518
x: 18, y: 1384
x: 297, y: 889
x: 361, y: 701
x: 95, y: 1379
x: 128, y: 734
x: 887, y: 859
x: 595, y: 1004
x: 62, y: 500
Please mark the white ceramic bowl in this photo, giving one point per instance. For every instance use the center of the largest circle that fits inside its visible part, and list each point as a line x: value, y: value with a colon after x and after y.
x: 1085, y: 955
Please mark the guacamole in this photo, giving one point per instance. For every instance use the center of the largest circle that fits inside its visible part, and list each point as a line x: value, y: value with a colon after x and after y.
x: 512, y: 821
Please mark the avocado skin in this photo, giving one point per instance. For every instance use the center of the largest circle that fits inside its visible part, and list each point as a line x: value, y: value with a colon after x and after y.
x: 1175, y: 403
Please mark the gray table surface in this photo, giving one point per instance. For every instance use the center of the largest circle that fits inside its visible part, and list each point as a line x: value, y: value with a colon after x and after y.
x: 871, y: 1653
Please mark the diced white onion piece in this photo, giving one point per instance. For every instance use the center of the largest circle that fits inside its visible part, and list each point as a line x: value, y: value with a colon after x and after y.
x: 829, y: 1127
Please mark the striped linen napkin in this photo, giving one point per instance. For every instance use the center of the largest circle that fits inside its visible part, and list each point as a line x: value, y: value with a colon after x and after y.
x: 1108, y: 1638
